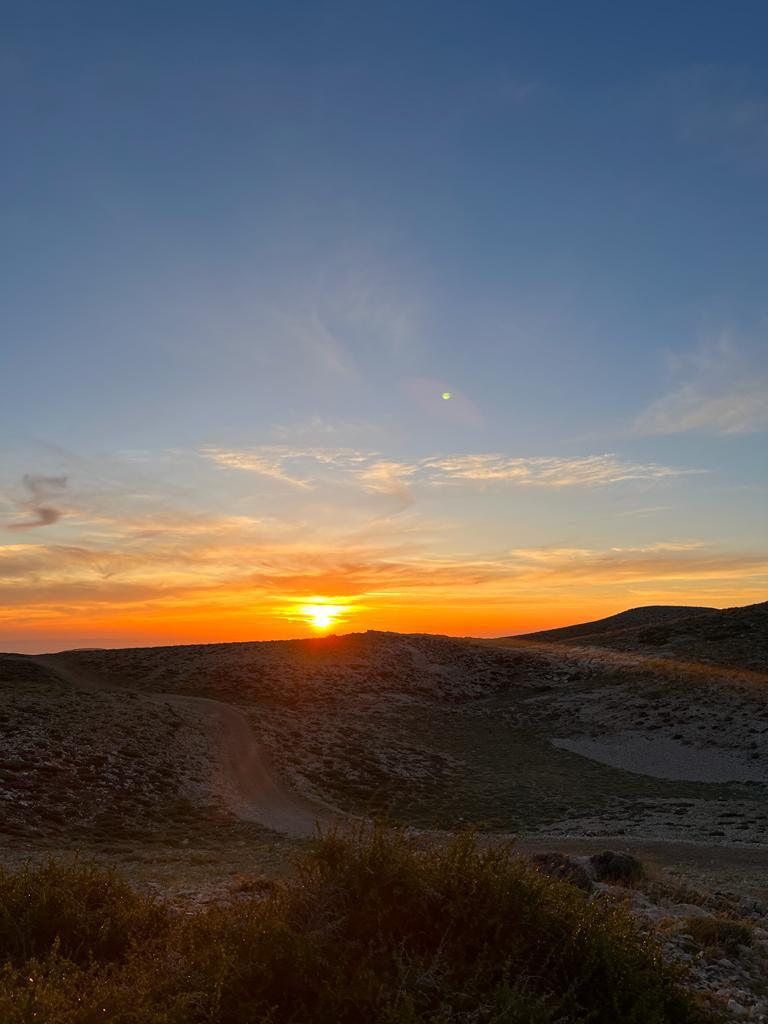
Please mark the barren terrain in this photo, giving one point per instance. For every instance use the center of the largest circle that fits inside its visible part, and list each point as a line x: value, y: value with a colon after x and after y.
x: 529, y: 738
x: 200, y: 769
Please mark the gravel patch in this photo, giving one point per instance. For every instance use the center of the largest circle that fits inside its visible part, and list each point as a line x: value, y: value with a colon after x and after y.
x: 665, y: 758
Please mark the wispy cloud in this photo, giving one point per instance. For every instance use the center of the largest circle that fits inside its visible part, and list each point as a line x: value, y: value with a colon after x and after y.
x: 42, y: 490
x: 274, y: 460
x: 648, y: 510
x: 343, y: 525
x: 263, y: 462
x: 659, y: 561
x: 587, y: 471
x: 244, y: 570
x: 394, y: 478
x: 389, y: 478
x: 355, y: 306
x: 722, y: 391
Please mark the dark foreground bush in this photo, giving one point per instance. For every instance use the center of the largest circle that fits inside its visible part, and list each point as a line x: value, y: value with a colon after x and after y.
x: 621, y: 868
x: 372, y: 932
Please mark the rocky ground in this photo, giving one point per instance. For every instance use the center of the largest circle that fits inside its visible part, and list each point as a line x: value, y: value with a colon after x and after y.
x: 81, y: 762
x: 718, y: 935
x: 730, y: 638
x: 103, y: 753
x: 434, y: 731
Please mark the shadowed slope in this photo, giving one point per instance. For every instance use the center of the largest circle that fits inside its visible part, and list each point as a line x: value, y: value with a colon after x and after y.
x: 648, y: 615
x: 734, y: 637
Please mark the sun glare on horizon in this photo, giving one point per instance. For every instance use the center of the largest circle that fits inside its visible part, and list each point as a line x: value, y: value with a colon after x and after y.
x: 322, y: 616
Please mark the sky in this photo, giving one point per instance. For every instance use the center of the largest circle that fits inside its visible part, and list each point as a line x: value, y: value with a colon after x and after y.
x: 248, y: 248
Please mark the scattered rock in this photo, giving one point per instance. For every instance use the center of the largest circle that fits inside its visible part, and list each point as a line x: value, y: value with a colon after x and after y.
x: 690, y: 910
x: 736, y: 1009
x: 751, y: 907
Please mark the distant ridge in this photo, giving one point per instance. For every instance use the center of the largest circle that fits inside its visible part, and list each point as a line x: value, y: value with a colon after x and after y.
x: 632, y: 618
x: 732, y: 637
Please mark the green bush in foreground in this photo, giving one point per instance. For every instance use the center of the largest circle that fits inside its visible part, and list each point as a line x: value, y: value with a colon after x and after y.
x: 373, y: 931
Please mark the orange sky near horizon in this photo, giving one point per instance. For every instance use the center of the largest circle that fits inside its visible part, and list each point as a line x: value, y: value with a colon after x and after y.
x: 180, y: 547
x: 201, y: 624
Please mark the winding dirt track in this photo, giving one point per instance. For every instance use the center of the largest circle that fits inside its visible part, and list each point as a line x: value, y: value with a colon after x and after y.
x: 255, y: 793
x: 259, y: 796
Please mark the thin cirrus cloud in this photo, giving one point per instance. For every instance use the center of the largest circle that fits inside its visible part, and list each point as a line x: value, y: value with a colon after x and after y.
x: 741, y: 409
x: 721, y: 390
x: 283, y: 462
x: 355, y: 305
x: 589, y: 471
x: 658, y: 561
x: 389, y: 477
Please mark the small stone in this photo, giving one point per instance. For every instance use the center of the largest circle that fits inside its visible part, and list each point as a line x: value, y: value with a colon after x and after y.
x: 736, y: 1009
x: 690, y: 910
x: 749, y: 906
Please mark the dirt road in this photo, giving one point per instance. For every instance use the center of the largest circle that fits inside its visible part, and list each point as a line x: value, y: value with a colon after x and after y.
x: 257, y: 795
x: 252, y: 790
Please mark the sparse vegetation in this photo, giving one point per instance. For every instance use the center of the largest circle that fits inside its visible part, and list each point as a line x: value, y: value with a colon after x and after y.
x: 731, y: 637
x: 720, y: 932
x: 430, y: 731
x: 373, y: 930
x: 622, y: 868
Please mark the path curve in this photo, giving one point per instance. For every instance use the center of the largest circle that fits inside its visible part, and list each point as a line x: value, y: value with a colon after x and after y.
x: 261, y: 797
x: 256, y: 793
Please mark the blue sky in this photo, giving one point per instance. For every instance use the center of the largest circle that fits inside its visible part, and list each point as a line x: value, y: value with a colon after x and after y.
x: 247, y: 247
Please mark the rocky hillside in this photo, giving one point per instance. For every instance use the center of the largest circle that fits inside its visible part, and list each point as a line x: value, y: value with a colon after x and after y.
x: 733, y: 637
x: 439, y: 732
x: 92, y: 760
x: 646, y: 616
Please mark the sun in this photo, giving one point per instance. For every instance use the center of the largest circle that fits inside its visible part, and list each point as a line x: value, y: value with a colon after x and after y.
x: 322, y: 616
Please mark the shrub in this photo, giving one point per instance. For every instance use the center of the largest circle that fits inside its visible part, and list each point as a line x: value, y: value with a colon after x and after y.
x: 617, y: 867
x: 558, y: 865
x: 717, y: 931
x: 373, y: 930
x: 83, y: 910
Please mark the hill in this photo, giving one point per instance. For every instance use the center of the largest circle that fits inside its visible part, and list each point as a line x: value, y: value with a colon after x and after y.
x: 434, y: 731
x: 732, y: 637
x: 647, y: 615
